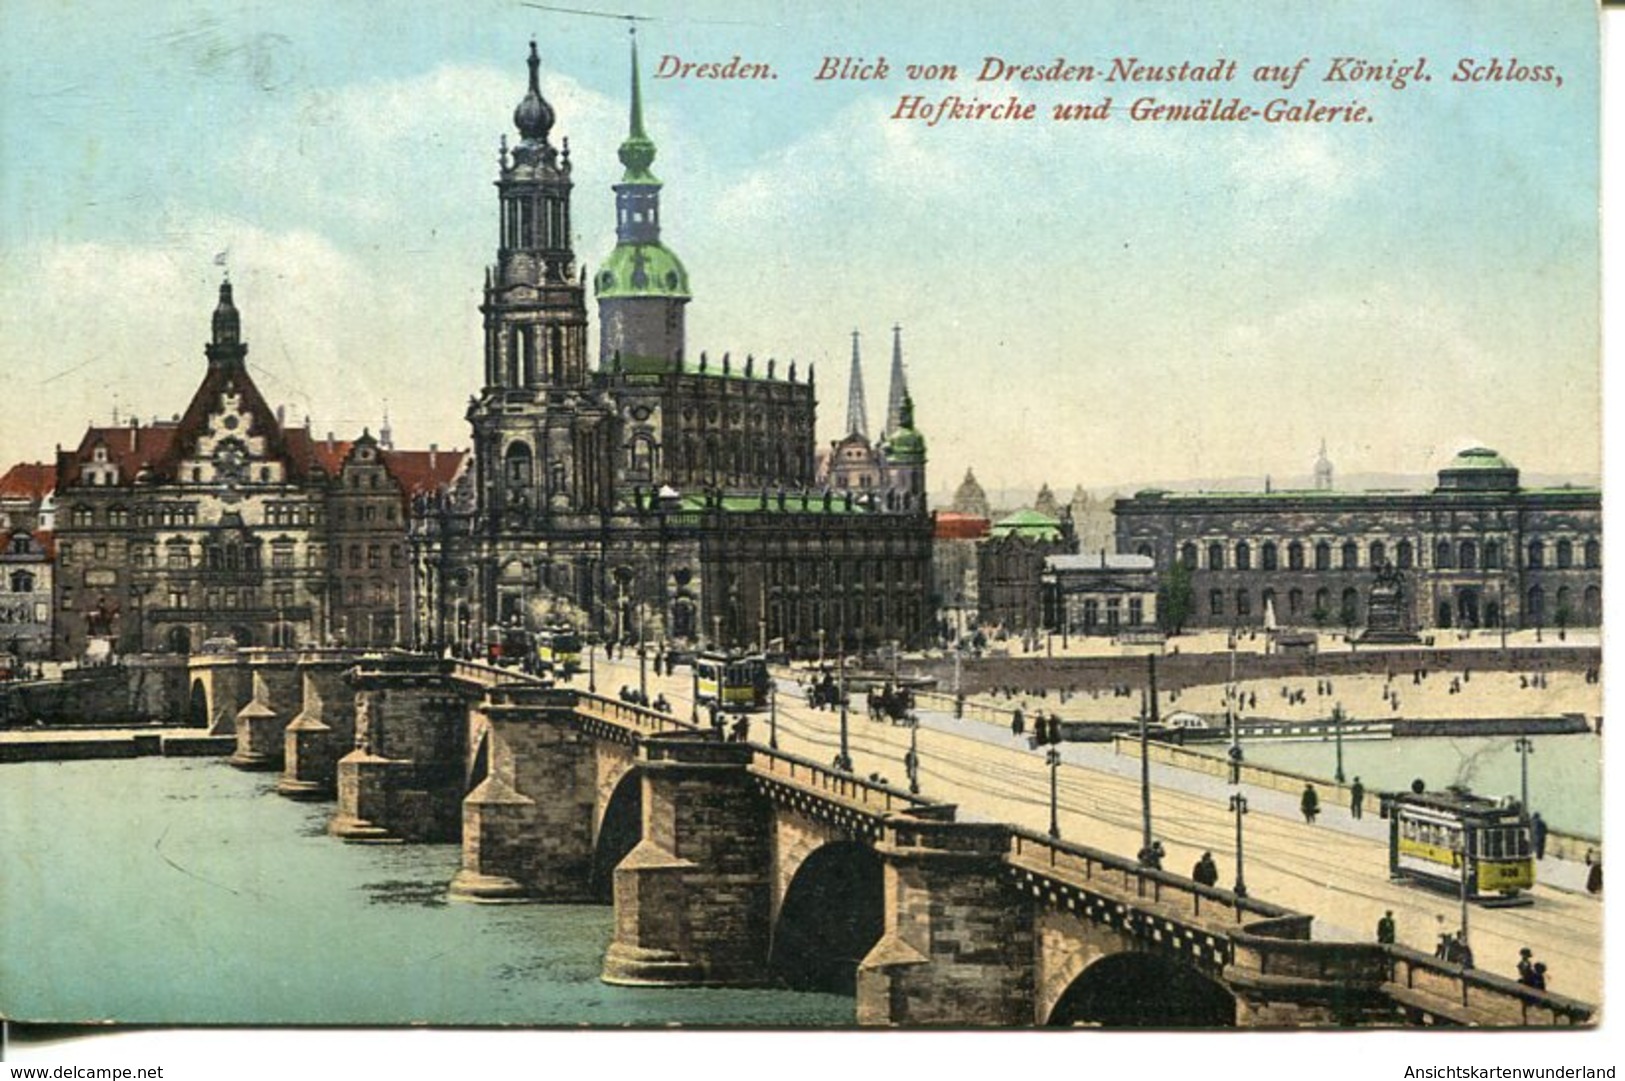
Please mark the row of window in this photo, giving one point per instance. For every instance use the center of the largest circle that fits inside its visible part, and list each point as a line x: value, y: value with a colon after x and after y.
x: 281, y: 597
x: 147, y: 516
x: 374, y: 556
x: 1113, y: 608
x: 22, y: 582
x: 1447, y: 555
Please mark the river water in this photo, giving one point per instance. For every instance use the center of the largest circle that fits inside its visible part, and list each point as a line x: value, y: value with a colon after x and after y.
x: 1565, y: 772
x: 185, y: 891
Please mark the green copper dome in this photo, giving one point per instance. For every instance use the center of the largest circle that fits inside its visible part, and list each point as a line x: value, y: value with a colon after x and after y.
x: 641, y: 270
x: 906, y: 446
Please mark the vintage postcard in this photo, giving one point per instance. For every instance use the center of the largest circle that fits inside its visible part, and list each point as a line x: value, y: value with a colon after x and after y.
x: 745, y: 515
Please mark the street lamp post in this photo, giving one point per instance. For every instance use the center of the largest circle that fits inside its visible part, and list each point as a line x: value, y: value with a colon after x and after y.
x: 913, y: 760
x: 1466, y: 953
x: 773, y: 714
x: 1053, y: 758
x: 1147, y: 715
x: 643, y: 662
x: 592, y: 666
x: 843, y: 761
x: 1337, y: 732
x: 1238, y: 804
x: 1525, y: 747
x: 1231, y: 696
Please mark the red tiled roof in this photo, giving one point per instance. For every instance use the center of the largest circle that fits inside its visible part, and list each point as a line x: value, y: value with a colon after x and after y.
x: 28, y: 480
x: 128, y: 446
x: 422, y: 471
x: 953, y: 525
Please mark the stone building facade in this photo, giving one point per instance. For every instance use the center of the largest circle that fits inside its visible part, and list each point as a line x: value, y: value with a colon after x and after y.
x: 650, y: 497
x: 220, y: 525
x: 27, y: 559
x: 1010, y: 566
x: 1100, y: 593
x: 1478, y: 550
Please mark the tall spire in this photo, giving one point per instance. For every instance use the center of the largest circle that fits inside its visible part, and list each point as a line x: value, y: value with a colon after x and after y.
x: 1323, y: 470
x: 533, y: 116
x: 638, y: 150
x: 857, y: 422
x: 899, y: 386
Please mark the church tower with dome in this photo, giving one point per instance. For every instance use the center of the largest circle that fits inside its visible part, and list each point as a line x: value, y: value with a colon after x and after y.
x: 658, y: 494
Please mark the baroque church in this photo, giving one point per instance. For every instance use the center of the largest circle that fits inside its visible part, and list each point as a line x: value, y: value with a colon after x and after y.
x: 650, y: 496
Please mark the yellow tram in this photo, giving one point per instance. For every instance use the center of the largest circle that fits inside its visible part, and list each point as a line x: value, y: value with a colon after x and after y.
x: 1429, y: 834
x: 559, y: 648
x: 737, y: 682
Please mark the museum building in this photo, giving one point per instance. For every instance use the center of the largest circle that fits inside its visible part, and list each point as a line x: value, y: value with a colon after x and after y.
x: 1478, y: 550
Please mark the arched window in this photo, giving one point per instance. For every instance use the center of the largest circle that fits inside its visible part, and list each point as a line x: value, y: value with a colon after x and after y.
x: 1564, y: 614
x: 1187, y: 555
x: 1144, y: 550
x: 1468, y: 556
x: 1244, y: 604
x: 1323, y: 604
x: 1270, y: 556
x: 1404, y: 557
x: 1323, y: 556
x: 1593, y: 554
x: 1294, y: 556
x: 1294, y: 603
x: 1215, y: 602
x: 1266, y: 602
x: 1536, y: 606
x: 516, y: 465
x: 1442, y: 555
x: 1244, y: 556
x: 1565, y: 555
x: 1492, y: 555
x: 1537, y: 554
x: 22, y: 582
x: 1351, y: 556
x: 1349, y: 610
x: 1379, y: 555
x: 1215, y: 556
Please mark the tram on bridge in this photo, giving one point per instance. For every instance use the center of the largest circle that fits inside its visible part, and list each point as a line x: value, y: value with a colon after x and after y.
x: 1431, y: 834
x: 559, y: 647
x: 507, y: 646
x: 736, y: 682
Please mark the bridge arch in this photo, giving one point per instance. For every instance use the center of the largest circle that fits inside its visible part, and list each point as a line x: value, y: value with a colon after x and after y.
x: 1139, y: 989
x: 832, y: 914
x: 620, y: 828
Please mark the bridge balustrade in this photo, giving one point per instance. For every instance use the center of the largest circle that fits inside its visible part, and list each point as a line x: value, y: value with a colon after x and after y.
x: 1160, y: 887
x: 805, y: 773
x: 1437, y: 989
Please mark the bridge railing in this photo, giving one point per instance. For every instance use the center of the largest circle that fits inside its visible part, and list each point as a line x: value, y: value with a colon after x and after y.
x: 1092, y: 865
x: 631, y: 716
x: 1417, y: 979
x: 876, y: 796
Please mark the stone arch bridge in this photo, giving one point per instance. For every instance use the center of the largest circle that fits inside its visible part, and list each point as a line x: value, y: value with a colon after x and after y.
x: 731, y: 863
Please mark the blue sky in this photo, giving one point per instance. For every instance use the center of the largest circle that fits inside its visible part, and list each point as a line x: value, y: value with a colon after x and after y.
x: 1087, y: 303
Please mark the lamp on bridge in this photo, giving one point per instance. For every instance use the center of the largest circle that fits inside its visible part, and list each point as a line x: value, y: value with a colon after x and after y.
x: 843, y: 760
x: 1525, y: 747
x: 1238, y: 805
x: 911, y: 761
x: 592, y: 665
x: 1337, y: 733
x: 1053, y: 758
x: 773, y: 712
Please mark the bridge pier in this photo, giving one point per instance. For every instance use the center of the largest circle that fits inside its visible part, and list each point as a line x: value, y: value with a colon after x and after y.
x: 693, y: 898
x: 528, y: 822
x: 227, y: 687
x: 404, y: 780
x: 324, y: 728
x: 957, y: 948
x: 261, y: 723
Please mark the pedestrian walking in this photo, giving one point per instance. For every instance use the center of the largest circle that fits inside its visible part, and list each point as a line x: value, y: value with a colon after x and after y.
x: 1385, y: 929
x: 1537, y: 834
x: 1526, y: 966
x: 1206, y: 872
x: 1357, y: 798
x: 1309, y: 804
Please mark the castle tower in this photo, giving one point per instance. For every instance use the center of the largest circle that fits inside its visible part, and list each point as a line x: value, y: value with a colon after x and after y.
x: 899, y: 385
x: 857, y: 414
x: 642, y: 287
x: 226, y: 349
x: 535, y: 308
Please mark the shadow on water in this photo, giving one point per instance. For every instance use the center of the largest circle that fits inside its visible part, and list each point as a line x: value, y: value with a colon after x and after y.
x: 406, y: 892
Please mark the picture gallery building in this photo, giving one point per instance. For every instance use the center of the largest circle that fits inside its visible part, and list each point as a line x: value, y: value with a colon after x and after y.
x: 1476, y: 551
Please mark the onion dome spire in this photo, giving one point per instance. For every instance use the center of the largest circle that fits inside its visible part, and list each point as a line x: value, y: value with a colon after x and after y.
x: 533, y: 116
